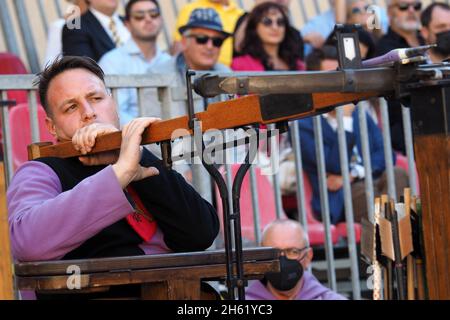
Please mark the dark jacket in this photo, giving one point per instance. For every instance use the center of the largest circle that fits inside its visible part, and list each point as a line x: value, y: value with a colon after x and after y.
x: 90, y: 40
x: 390, y: 41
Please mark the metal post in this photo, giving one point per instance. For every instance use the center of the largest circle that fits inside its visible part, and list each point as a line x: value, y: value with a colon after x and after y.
x: 349, y: 217
x: 255, y: 205
x: 43, y: 15
x: 301, y: 202
x: 320, y: 155
x: 303, y: 11
x: 27, y: 35
x: 7, y: 147
x: 58, y: 8
x: 34, y: 119
x: 368, y: 179
x: 409, y: 143
x: 9, y: 33
x: 388, y: 149
x: 274, y: 157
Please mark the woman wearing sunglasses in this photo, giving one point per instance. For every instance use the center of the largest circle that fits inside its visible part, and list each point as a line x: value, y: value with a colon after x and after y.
x: 269, y: 42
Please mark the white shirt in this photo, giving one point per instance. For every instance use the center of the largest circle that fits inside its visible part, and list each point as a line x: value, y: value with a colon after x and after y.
x: 105, y: 20
x: 54, y: 41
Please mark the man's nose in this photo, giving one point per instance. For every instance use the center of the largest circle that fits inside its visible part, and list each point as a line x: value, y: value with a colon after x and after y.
x: 88, y: 113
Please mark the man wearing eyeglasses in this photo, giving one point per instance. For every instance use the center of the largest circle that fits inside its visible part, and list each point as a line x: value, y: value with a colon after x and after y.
x: 202, y: 39
x: 137, y: 56
x: 404, y: 19
x: 293, y: 282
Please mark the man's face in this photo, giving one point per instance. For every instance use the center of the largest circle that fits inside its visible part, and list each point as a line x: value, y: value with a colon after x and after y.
x: 199, y: 55
x: 288, y: 237
x: 440, y: 22
x: 405, y: 14
x: 104, y: 6
x: 77, y: 98
x: 145, y: 21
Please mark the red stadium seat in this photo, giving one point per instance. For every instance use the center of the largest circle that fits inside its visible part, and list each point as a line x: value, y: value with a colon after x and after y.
x: 316, y: 229
x: 19, y: 119
x: 9, y: 65
x: 402, y: 162
x: 267, y: 205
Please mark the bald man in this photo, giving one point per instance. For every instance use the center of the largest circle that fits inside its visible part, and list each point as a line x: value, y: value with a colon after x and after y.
x: 292, y: 282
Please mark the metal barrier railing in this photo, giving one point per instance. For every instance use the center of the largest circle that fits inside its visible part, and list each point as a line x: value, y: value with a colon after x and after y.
x: 167, y: 95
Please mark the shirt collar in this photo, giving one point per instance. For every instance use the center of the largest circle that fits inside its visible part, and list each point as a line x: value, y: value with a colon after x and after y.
x: 103, y: 18
x: 132, y: 48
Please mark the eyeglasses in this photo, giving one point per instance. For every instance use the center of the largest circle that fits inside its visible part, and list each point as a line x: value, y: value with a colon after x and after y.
x: 294, y: 253
x: 403, y: 6
x: 203, y: 39
x: 140, y: 15
x: 358, y: 10
x: 266, y: 21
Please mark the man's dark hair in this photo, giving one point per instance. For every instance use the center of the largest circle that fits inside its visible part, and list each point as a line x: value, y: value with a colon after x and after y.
x: 130, y: 5
x: 59, y: 66
x: 315, y: 58
x: 425, y: 18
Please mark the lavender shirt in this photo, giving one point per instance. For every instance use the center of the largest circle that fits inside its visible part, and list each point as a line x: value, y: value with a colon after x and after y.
x: 311, y: 290
x: 46, y: 223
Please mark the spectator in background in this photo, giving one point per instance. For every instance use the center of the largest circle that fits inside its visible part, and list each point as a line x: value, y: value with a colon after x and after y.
x: 326, y: 59
x: 403, y: 32
x: 202, y: 39
x: 269, y: 42
x: 404, y: 26
x: 54, y: 37
x: 436, y: 30
x: 101, y: 30
x: 359, y: 12
x: 137, y: 55
x: 316, y: 30
x: 229, y: 13
x: 293, y: 282
x: 241, y: 25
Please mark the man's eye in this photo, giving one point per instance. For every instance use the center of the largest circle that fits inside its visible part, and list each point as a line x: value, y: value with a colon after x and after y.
x: 71, y: 107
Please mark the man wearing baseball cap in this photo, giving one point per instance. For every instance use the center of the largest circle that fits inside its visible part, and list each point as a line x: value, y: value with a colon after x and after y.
x: 202, y: 39
x: 229, y: 13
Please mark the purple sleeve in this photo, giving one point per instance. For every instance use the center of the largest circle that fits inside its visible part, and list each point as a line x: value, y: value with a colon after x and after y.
x: 46, y: 224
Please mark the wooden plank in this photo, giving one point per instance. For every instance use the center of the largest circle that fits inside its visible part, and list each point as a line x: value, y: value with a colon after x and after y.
x: 252, y: 270
x: 6, y: 274
x: 433, y: 164
x: 48, y: 268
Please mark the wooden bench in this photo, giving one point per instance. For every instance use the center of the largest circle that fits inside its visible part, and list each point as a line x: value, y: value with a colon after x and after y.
x: 167, y: 276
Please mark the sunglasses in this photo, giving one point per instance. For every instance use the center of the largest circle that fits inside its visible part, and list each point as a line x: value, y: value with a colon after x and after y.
x: 203, y: 39
x: 266, y: 21
x: 140, y: 15
x: 358, y: 10
x: 405, y: 6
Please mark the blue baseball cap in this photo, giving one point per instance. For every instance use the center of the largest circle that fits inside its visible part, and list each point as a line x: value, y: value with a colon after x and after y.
x: 205, y: 18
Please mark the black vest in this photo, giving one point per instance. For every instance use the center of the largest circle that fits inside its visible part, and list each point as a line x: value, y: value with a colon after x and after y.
x: 117, y: 240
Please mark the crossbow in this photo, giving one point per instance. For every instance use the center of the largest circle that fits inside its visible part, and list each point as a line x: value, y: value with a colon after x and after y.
x: 274, y: 98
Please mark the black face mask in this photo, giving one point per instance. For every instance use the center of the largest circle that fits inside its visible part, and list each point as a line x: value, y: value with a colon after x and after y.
x: 291, y: 271
x: 443, y: 43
